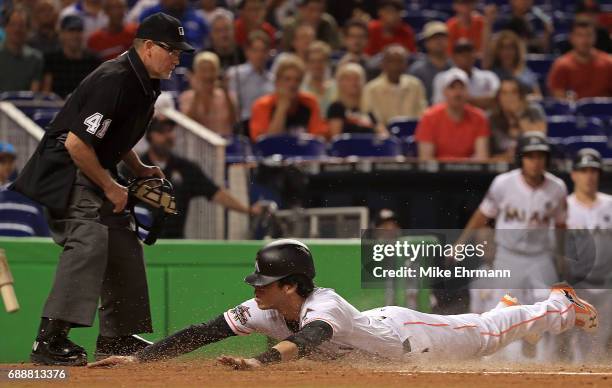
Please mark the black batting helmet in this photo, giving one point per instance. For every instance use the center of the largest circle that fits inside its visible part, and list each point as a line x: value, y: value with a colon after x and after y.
x: 529, y: 142
x: 280, y: 259
x: 587, y: 157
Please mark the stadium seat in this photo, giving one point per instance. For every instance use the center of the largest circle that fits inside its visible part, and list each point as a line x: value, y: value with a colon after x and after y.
x: 600, y: 143
x: 540, y: 64
x: 554, y: 107
x: 43, y: 117
x: 238, y: 149
x: 20, y: 217
x: 561, y: 126
x: 26, y: 95
x: 402, y: 127
x: 302, y: 146
x: 600, y: 107
x: 363, y: 144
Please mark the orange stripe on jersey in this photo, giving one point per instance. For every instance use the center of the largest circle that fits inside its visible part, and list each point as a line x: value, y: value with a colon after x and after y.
x: 427, y: 324
x: 465, y: 327
x: 527, y: 321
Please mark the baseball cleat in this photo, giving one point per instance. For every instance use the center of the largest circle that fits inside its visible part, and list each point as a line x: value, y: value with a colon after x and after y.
x: 586, y: 314
x: 58, y: 351
x: 507, y: 301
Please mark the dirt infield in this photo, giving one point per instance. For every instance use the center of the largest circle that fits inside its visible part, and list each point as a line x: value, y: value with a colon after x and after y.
x: 207, y: 373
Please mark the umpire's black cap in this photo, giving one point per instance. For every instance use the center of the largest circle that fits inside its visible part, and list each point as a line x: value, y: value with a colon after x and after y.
x: 164, y: 28
x: 280, y: 259
x: 587, y: 157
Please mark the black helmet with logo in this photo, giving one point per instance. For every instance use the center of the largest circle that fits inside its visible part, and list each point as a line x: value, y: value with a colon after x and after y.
x: 530, y: 142
x: 280, y: 259
x: 587, y: 157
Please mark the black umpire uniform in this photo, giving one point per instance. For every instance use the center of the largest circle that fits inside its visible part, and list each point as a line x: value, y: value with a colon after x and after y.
x: 102, y: 258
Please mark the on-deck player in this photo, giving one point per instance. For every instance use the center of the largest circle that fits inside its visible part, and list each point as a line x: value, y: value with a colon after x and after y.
x: 308, y: 319
x: 591, y: 210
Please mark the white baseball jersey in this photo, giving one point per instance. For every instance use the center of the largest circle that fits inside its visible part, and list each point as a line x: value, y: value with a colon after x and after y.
x: 382, y: 331
x: 516, y: 206
x: 352, y: 329
x: 596, y: 217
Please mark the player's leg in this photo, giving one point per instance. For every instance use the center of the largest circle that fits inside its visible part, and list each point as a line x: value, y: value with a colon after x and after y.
x: 124, y: 309
x: 74, y: 296
x: 560, y: 312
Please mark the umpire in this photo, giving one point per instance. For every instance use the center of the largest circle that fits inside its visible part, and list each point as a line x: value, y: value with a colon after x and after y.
x: 73, y: 173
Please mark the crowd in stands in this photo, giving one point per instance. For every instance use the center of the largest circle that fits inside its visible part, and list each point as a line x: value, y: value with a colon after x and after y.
x: 465, y: 70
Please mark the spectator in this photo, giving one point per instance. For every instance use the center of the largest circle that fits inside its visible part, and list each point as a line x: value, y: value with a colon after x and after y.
x: 188, y: 179
x: 20, y: 65
x: 345, y: 114
x: 303, y: 37
x: 389, y: 28
x: 117, y: 37
x: 287, y: 110
x: 19, y: 216
x: 279, y: 10
x: 355, y: 42
x: 317, y: 80
x: 252, y: 17
x: 453, y: 129
x: 483, y: 84
x: 530, y: 23
x: 210, y: 8
x: 506, y: 58
x: 66, y: 68
x: 584, y: 71
x: 435, y: 35
x: 206, y: 102
x: 312, y: 12
x: 512, y: 116
x: 222, y: 41
x: 195, y: 27
x: 249, y: 81
x: 394, y: 93
x: 92, y: 14
x: 44, y: 19
x: 467, y: 24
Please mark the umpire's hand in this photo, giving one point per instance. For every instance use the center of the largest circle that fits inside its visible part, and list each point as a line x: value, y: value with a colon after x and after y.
x: 118, y: 195
x: 155, y: 171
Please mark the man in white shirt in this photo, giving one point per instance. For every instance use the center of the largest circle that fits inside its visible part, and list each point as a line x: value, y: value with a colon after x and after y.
x: 311, y: 320
x: 589, y: 215
x: 483, y: 84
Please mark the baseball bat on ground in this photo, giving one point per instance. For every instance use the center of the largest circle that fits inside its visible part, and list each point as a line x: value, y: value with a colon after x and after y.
x: 6, y: 285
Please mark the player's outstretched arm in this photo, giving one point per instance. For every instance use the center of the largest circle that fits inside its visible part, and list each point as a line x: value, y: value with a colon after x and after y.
x: 181, y: 342
x: 296, y: 346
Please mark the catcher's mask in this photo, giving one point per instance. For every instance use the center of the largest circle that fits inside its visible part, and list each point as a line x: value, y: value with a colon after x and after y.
x: 157, y: 194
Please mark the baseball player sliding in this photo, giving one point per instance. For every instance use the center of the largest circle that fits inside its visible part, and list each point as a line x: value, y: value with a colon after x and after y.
x: 311, y: 320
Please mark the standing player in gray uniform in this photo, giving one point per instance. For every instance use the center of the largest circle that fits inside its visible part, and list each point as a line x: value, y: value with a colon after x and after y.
x: 312, y: 320
x: 74, y: 174
x: 591, y: 210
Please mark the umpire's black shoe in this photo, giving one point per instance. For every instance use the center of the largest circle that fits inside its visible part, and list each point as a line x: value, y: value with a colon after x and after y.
x: 119, y: 346
x: 58, y: 351
x: 52, y: 346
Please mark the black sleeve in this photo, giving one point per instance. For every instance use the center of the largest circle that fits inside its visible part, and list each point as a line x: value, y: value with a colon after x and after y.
x: 335, y: 111
x: 200, y: 183
x: 186, y: 340
x: 97, y: 98
x: 311, y: 336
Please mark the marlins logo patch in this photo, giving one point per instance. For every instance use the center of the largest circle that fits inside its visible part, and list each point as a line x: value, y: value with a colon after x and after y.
x: 241, y: 314
x: 181, y: 31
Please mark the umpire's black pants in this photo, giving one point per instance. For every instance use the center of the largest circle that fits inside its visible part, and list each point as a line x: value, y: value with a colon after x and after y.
x: 102, y: 260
